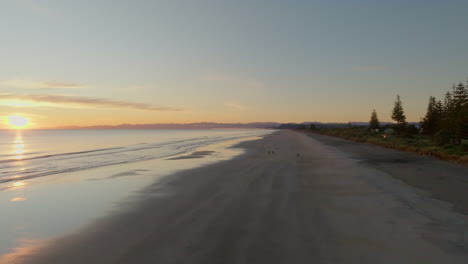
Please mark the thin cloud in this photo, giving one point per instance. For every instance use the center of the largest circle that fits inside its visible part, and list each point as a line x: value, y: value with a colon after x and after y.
x: 371, y: 68
x: 137, y: 87
x: 25, y: 84
x: 92, y: 102
x: 235, y: 106
x: 54, y: 84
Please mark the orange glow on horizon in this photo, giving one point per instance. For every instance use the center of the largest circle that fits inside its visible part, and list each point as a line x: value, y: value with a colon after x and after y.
x: 18, y: 103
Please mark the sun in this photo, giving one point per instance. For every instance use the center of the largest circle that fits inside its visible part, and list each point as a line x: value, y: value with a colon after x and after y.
x: 16, y: 121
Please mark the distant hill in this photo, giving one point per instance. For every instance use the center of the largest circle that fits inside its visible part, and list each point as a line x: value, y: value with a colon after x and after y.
x: 203, y: 125
x: 333, y: 125
x: 213, y: 125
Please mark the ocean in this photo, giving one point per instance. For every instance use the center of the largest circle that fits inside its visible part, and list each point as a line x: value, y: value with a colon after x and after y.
x: 55, y: 181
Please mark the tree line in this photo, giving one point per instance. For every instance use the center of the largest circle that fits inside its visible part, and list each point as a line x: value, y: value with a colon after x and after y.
x: 446, y: 122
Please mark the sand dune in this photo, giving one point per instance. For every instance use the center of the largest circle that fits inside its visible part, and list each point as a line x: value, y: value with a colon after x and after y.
x: 312, y: 201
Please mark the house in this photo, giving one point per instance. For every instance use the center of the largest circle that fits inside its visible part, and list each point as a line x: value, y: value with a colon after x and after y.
x: 388, y: 133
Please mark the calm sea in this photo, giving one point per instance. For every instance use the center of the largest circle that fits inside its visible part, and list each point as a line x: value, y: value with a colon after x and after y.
x: 55, y: 181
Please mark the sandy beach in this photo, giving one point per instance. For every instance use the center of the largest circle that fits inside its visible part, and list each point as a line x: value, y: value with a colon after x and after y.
x: 291, y: 198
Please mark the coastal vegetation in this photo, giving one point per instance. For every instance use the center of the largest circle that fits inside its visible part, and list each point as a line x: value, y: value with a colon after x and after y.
x: 442, y: 132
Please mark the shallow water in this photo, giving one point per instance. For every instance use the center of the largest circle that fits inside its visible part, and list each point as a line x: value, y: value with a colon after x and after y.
x: 31, y: 154
x: 55, y: 181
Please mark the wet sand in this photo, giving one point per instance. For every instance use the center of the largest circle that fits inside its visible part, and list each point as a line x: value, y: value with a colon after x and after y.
x: 292, y: 198
x: 194, y: 155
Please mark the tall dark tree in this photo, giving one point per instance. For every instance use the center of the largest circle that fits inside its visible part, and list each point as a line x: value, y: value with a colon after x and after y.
x: 430, y: 123
x: 460, y: 95
x: 439, y: 108
x: 398, y: 115
x: 460, y: 98
x: 464, y: 116
x: 374, y: 121
x: 439, y: 111
x: 446, y: 132
x: 447, y: 122
x: 447, y: 102
x: 464, y: 122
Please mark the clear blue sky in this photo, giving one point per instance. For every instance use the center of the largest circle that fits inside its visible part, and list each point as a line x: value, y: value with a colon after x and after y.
x: 111, y: 62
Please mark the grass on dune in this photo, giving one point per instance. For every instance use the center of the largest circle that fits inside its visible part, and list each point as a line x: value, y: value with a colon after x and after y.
x: 419, y: 144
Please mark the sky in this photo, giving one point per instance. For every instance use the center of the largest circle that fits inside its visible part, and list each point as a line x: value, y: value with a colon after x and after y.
x: 108, y: 62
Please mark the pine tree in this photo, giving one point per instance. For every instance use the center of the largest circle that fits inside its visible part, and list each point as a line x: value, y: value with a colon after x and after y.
x: 460, y: 95
x: 398, y: 115
x: 430, y: 122
x: 448, y: 118
x: 374, y: 121
x: 464, y: 122
x: 439, y: 110
x: 464, y: 116
x: 460, y: 98
x: 447, y: 102
x: 453, y: 116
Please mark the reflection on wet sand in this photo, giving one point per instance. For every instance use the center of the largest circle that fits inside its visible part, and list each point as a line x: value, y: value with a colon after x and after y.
x: 28, y: 246
x: 17, y: 199
x: 19, y: 196
x: 14, y: 186
x: 19, y: 184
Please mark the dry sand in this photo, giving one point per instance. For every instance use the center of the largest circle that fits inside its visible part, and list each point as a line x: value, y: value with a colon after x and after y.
x: 328, y: 205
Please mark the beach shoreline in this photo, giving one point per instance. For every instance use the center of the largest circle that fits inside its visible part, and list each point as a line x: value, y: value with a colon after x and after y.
x: 289, y: 198
x: 36, y: 209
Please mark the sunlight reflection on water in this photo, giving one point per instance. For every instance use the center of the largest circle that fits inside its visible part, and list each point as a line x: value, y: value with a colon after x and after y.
x: 18, y: 147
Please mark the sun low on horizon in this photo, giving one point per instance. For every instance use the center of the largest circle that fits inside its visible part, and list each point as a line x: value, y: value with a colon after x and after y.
x: 17, y: 121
